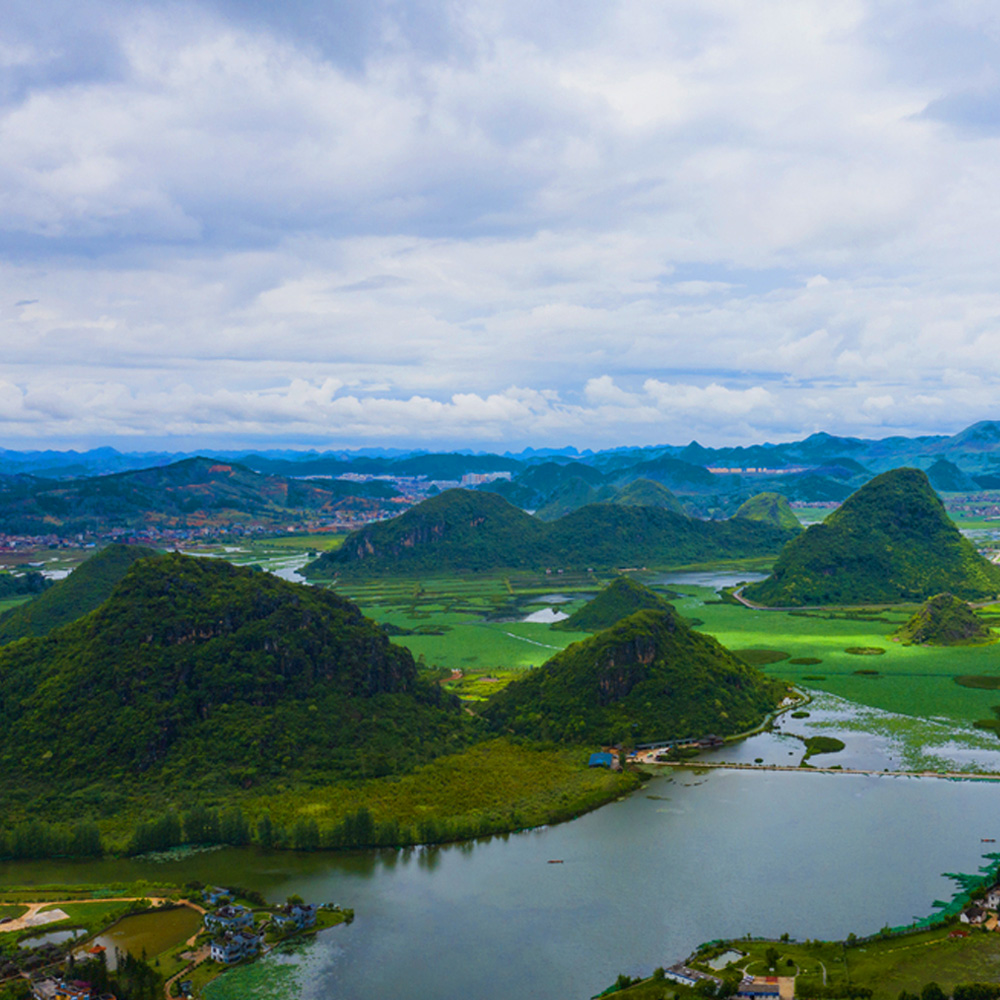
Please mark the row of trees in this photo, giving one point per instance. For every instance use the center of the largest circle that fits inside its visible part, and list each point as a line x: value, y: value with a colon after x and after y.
x: 964, y: 991
x: 133, y: 979
x: 39, y: 839
x: 356, y: 829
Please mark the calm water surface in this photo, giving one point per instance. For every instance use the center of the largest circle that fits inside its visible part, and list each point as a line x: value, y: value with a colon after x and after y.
x: 691, y: 856
x: 151, y: 933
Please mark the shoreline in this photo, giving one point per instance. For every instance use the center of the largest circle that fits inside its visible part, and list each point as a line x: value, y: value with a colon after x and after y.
x: 718, y: 765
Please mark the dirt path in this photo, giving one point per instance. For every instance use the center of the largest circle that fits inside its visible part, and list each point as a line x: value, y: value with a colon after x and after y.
x: 199, y: 956
x: 31, y: 919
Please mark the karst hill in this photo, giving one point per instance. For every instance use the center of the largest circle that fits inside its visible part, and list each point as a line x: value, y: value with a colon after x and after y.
x: 945, y: 620
x: 649, y: 676
x: 195, y: 670
x: 463, y: 530
x: 891, y: 540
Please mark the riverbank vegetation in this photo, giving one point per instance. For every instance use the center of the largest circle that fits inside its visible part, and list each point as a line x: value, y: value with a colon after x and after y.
x: 493, y: 787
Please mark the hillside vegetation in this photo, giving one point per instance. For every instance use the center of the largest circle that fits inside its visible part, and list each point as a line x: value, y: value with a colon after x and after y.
x: 647, y: 493
x: 945, y: 621
x: 771, y: 508
x: 621, y: 598
x: 88, y: 586
x: 890, y: 541
x: 199, y: 673
x: 462, y: 530
x: 649, y: 676
x: 22, y: 584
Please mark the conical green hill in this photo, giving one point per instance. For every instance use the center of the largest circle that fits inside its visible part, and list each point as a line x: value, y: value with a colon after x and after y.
x: 89, y: 585
x: 196, y: 672
x: 621, y: 598
x: 892, y: 540
x: 771, y: 508
x: 648, y: 493
x: 945, y: 621
x: 650, y: 676
x: 458, y: 529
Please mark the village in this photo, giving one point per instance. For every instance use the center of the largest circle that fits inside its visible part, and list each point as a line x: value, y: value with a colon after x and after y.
x: 233, y: 929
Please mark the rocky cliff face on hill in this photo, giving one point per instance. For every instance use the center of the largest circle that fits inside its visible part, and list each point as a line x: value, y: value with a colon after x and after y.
x: 892, y: 540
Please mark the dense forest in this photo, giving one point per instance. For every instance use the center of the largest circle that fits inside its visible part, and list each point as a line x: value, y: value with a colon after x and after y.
x: 88, y: 586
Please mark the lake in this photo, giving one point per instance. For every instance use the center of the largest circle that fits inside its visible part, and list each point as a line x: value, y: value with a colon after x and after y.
x: 691, y: 856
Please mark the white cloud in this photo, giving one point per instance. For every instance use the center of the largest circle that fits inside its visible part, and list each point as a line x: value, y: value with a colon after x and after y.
x: 655, y: 220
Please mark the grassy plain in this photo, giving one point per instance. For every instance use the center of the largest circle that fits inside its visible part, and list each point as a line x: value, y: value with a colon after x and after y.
x: 474, y: 623
x: 12, y: 602
x: 486, y: 786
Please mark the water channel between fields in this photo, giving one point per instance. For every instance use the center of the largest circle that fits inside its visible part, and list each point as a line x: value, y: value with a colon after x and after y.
x: 692, y: 855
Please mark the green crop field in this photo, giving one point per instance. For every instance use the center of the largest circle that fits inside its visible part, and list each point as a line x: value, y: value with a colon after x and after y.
x: 914, y: 680
x: 13, y: 602
x: 473, y: 623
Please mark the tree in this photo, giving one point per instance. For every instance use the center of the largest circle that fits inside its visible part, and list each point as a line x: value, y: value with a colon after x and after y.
x: 771, y: 956
x: 933, y: 992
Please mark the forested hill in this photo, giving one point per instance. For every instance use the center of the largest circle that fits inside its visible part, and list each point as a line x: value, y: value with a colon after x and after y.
x: 621, y: 598
x: 461, y: 530
x: 945, y: 620
x: 892, y: 540
x: 88, y: 586
x: 650, y: 676
x: 196, y: 673
x: 771, y: 508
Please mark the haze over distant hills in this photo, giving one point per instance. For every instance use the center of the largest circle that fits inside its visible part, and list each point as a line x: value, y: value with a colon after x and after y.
x: 101, y: 488
x: 194, y: 491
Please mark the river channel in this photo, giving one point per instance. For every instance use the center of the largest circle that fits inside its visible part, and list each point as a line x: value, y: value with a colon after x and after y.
x: 692, y: 855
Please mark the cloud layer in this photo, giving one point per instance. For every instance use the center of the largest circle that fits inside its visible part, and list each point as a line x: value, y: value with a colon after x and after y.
x: 430, y: 224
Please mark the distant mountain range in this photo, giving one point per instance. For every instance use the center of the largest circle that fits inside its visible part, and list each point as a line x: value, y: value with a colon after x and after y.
x: 194, y: 492
x: 91, y: 489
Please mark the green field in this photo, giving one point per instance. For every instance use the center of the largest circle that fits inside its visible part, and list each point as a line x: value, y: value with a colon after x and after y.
x: 914, y: 680
x: 13, y: 602
x: 473, y: 623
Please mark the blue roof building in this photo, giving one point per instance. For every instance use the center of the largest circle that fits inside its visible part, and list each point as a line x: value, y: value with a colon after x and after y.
x: 601, y: 760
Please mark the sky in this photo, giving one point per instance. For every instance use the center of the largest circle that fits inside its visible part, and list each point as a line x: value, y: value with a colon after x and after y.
x: 499, y: 224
